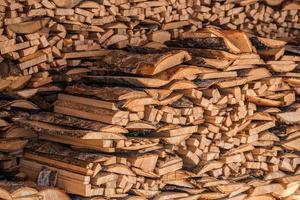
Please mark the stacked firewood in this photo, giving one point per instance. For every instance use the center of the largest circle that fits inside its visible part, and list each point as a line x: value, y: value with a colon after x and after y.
x: 213, y: 115
x: 38, y: 35
x: 29, y: 190
x: 13, y: 138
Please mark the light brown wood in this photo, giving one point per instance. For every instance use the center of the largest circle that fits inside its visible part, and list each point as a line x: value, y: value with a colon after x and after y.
x: 19, y: 190
x: 51, y: 194
x: 155, y: 63
x: 67, y: 3
x: 274, y: 2
x: 29, y: 27
x: 119, y: 99
x: 289, y: 117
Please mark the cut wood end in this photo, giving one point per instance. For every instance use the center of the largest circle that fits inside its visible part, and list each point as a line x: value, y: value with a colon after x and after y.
x: 274, y: 2
x: 290, y: 117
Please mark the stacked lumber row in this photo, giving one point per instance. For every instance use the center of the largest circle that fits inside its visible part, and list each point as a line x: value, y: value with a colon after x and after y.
x: 269, y: 18
x: 29, y: 190
x: 209, y: 117
x: 95, y: 174
x: 13, y: 138
x: 39, y: 35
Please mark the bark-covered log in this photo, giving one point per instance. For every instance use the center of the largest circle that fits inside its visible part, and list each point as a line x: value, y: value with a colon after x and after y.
x: 64, y: 120
x: 142, y: 64
x: 200, y: 43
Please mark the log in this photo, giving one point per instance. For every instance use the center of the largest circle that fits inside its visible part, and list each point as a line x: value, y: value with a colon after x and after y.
x: 145, y: 65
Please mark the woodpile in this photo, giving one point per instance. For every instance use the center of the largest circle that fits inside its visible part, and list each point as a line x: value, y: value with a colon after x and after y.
x: 38, y: 35
x: 29, y: 190
x: 136, y: 99
x: 13, y: 138
x: 212, y: 116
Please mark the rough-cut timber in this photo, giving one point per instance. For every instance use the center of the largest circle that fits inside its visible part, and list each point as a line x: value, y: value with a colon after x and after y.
x: 212, y: 114
x: 136, y: 99
x: 42, y: 35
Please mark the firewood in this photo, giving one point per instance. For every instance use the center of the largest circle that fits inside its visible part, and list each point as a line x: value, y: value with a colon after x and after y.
x: 167, y: 195
x: 276, y: 66
x: 29, y: 27
x: 263, y: 101
x: 15, y: 47
x: 72, y: 185
x: 240, y: 39
x: 56, y: 130
x: 155, y: 63
x: 271, y: 43
x: 85, y: 54
x: 175, y: 25
x: 289, y: 117
x: 211, y: 42
x: 274, y: 2
x: 293, y: 49
x: 87, y: 101
x: 40, y: 59
x: 155, y: 45
x: 10, y: 190
x: 58, y: 119
x: 12, y: 145
x: 20, y: 82
x: 217, y: 75
x: 129, y: 81
x: 58, y: 164
x: 115, y: 40
x: 274, y: 54
x: 67, y: 3
x: 91, y: 112
x: 262, y: 190
x: 134, y: 100
x: 51, y: 194
x: 291, y: 6
x: 119, y: 169
x: 292, y: 144
x: 160, y: 36
x: 4, y: 84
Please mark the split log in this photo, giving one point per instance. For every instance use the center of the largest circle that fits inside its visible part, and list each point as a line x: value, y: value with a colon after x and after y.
x: 145, y: 65
x: 59, y: 119
x: 289, y: 117
x: 52, y: 194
